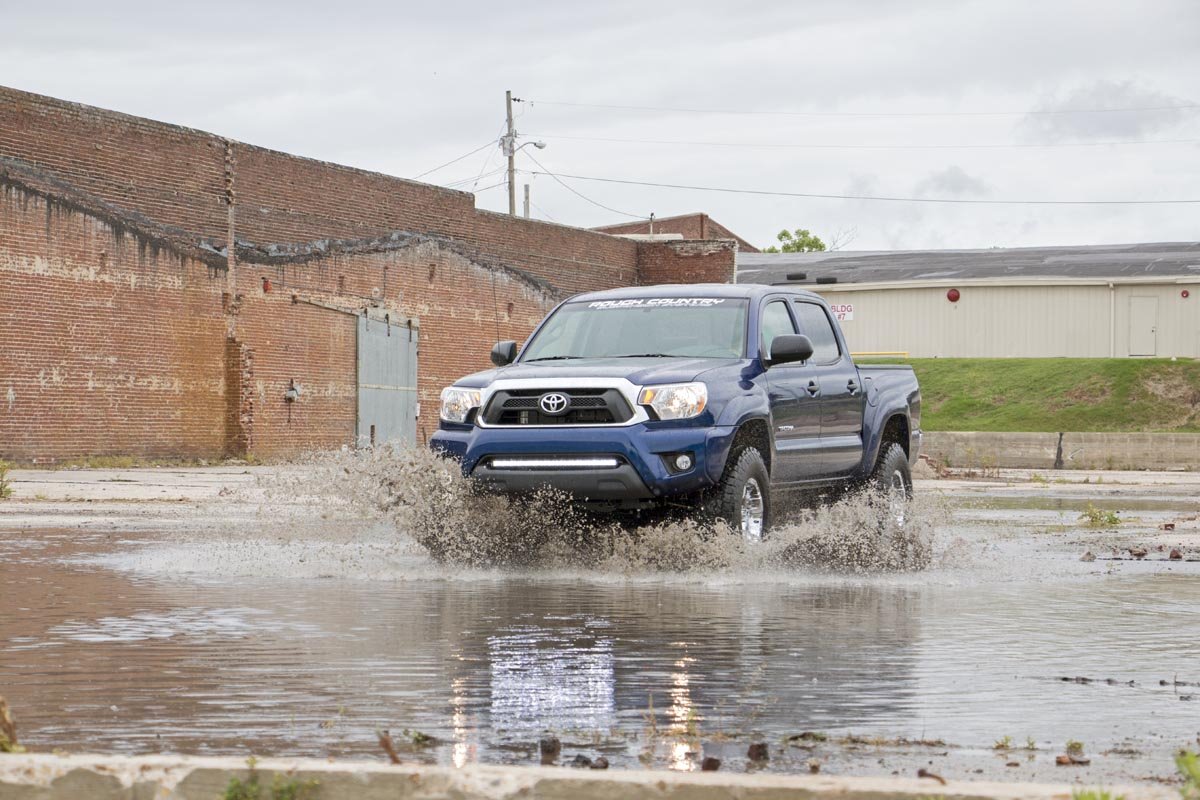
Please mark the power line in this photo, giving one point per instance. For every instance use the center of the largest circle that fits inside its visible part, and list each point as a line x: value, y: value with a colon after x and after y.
x: 766, y: 112
x: 493, y: 186
x: 545, y: 213
x: 476, y: 179
x: 456, y: 160
x: 788, y: 146
x: 577, y: 193
x: 818, y: 196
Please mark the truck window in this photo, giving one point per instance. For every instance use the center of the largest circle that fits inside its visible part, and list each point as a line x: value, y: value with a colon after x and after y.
x: 776, y: 321
x: 819, y: 330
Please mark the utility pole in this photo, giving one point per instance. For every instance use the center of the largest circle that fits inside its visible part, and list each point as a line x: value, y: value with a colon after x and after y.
x: 527, y: 201
x: 510, y: 145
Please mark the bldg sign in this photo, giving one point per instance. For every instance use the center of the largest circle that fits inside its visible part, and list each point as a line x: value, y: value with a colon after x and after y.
x: 843, y: 311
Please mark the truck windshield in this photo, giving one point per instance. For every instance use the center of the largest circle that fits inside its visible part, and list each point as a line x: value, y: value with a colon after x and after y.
x: 690, y: 327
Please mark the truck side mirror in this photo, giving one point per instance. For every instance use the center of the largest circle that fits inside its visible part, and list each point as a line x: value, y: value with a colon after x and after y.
x: 789, y: 348
x: 504, y: 353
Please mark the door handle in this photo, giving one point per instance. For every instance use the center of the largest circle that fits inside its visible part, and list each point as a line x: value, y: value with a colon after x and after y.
x: 852, y: 386
x: 813, y: 388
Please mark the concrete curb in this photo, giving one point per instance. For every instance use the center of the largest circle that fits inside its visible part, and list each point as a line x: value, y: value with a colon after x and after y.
x: 97, y: 777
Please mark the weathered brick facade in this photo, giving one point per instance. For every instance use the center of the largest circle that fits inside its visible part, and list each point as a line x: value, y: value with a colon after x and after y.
x: 123, y: 330
x: 688, y: 226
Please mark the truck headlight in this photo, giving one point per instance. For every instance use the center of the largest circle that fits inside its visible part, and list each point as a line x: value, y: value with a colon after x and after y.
x: 676, y: 400
x: 458, y: 402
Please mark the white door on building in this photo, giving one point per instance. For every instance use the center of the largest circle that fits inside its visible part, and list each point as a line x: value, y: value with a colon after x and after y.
x: 1143, y: 326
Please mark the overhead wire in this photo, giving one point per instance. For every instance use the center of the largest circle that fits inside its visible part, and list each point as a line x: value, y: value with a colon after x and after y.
x: 455, y: 160
x: 574, y: 191
x: 790, y: 113
x: 840, y: 146
x: 880, y: 198
x: 476, y: 179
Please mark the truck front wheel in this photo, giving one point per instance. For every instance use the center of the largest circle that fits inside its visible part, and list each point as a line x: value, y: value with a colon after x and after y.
x: 743, y: 497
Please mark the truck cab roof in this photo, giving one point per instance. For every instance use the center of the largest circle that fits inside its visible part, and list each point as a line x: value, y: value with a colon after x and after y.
x: 748, y: 291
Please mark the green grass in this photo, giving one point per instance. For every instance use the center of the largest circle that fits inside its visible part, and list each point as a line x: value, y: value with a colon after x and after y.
x: 1058, y: 394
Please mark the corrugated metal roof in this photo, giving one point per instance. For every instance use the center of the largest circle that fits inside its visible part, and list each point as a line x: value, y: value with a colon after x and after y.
x: 1166, y: 259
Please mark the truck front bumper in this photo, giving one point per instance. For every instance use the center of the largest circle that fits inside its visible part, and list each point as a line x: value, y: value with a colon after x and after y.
x: 635, y: 461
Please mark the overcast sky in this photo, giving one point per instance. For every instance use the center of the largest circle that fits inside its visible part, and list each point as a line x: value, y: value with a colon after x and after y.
x: 403, y: 87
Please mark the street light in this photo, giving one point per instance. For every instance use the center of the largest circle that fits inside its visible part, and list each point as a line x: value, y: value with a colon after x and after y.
x: 506, y: 146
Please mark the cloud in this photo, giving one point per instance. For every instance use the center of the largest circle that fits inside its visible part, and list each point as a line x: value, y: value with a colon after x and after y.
x: 951, y: 182
x: 1054, y: 121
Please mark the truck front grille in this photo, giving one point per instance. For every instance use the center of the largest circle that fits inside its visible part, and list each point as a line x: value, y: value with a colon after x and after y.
x: 584, y: 407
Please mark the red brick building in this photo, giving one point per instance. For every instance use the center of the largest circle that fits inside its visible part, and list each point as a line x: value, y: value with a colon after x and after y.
x: 166, y: 292
x: 686, y: 226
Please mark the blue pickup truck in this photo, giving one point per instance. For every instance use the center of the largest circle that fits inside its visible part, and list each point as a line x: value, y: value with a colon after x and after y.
x: 710, y: 396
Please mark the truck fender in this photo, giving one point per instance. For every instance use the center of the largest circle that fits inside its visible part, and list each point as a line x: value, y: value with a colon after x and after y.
x: 743, y: 409
x: 875, y: 422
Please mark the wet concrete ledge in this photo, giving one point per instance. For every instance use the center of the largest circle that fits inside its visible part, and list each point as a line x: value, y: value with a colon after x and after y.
x: 1121, y: 451
x: 96, y: 777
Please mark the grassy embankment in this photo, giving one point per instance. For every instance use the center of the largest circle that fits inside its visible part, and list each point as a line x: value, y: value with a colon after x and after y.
x: 1058, y: 394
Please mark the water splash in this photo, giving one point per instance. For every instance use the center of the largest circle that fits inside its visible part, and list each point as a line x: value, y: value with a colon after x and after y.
x: 428, y: 501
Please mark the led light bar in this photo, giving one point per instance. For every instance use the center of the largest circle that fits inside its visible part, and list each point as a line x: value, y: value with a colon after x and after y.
x: 554, y: 463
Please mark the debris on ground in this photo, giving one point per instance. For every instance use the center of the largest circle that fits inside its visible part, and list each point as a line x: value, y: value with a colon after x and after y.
x: 924, y: 773
x: 549, y: 748
x: 758, y: 752
x: 710, y: 764
x: 1068, y: 760
x: 385, y: 741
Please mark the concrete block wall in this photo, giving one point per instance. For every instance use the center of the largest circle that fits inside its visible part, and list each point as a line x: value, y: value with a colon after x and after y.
x: 1166, y: 451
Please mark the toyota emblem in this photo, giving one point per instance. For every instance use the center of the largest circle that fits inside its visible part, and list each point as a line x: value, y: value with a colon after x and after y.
x: 554, y: 404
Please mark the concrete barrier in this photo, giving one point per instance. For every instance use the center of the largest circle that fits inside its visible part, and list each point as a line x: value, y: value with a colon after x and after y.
x: 94, y: 777
x: 1158, y: 451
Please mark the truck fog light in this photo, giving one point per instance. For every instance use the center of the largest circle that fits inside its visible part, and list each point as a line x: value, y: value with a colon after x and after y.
x: 683, y: 462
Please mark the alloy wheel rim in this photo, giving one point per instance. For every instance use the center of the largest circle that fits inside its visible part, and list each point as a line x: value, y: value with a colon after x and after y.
x: 753, y: 511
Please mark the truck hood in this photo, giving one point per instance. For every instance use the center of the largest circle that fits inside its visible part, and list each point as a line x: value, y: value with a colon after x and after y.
x: 639, y: 371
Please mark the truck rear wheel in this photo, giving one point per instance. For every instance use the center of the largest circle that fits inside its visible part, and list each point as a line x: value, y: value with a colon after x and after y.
x: 903, y: 545
x: 743, y: 497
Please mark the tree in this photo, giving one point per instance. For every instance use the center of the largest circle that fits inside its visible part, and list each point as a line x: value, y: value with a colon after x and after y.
x: 799, y: 241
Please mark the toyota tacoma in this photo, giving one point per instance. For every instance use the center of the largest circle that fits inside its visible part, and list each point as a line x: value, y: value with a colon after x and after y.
x: 713, y: 397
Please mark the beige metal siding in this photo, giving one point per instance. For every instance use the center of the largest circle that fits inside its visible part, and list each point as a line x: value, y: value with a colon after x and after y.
x: 998, y: 321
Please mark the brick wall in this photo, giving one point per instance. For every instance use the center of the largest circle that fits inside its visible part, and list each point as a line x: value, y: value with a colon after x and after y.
x: 684, y: 261
x: 124, y: 333
x: 689, y: 226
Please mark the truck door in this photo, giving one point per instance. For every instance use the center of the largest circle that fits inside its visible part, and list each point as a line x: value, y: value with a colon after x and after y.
x: 795, y: 407
x: 841, y: 393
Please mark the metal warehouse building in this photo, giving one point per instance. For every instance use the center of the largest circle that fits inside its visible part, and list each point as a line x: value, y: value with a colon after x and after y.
x: 1085, y: 302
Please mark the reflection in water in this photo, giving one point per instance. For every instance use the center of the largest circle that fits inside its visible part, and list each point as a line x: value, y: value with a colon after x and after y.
x: 100, y: 660
x: 552, y: 673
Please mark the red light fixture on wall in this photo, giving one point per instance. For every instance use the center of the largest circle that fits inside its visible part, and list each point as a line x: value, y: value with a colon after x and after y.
x: 953, y: 295
x: 1185, y: 294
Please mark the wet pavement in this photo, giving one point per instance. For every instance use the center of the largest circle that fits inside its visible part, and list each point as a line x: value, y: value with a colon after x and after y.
x: 126, y: 630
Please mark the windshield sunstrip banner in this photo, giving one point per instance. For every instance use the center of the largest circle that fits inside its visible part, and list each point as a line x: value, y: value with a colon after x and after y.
x: 667, y: 302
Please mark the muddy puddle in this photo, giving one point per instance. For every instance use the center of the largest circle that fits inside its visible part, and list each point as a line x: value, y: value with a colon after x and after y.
x: 264, y: 638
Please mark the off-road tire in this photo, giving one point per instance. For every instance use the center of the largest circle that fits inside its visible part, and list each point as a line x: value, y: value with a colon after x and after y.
x: 724, y: 501
x: 892, y: 463
x: 904, y: 547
